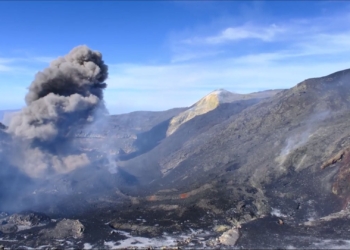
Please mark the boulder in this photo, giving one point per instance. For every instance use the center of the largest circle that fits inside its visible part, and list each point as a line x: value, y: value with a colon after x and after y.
x: 230, y: 237
x: 64, y: 229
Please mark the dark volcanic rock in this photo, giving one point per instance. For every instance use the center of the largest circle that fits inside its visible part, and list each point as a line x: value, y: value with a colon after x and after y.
x: 29, y: 219
x: 22, y: 221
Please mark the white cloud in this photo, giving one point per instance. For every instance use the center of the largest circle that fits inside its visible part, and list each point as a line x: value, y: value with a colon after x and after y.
x: 6, y: 64
x: 21, y: 64
x: 266, y: 34
x: 5, y: 68
x: 239, y: 33
x: 42, y: 59
x: 301, y: 37
x: 194, y: 55
x: 306, y: 48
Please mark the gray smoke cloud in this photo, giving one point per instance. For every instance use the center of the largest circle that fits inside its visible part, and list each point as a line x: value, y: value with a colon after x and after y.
x: 71, y: 87
x: 64, y: 96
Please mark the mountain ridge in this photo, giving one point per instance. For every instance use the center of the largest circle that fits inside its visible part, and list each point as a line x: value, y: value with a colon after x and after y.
x: 263, y: 143
x: 254, y: 167
x: 210, y: 102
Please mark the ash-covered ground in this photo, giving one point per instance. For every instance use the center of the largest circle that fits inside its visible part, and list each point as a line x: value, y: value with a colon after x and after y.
x: 262, y: 170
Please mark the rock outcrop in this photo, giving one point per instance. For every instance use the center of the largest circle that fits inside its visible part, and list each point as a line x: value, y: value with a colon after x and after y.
x: 65, y: 228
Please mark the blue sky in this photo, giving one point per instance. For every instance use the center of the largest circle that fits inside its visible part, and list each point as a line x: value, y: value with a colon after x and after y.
x: 166, y: 54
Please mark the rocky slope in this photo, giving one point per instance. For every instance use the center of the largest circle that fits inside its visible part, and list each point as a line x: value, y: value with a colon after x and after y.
x: 265, y: 170
x: 269, y: 156
x: 160, y: 160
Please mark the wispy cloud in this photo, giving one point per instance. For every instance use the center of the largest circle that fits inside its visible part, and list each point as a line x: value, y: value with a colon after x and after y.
x: 266, y: 34
x: 5, y: 68
x: 41, y: 59
x: 194, y: 55
x: 281, y: 38
x: 6, y: 64
x: 281, y: 54
x: 136, y: 87
x: 25, y: 65
x: 300, y: 49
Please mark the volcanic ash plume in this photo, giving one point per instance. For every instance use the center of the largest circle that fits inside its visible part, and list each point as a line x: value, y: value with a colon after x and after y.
x: 62, y: 94
x: 67, y: 93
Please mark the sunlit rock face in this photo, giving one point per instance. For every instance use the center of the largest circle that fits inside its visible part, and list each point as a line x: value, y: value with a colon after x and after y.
x: 211, y: 102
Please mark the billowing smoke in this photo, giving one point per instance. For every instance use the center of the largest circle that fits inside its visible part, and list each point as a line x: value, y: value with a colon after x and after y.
x: 62, y: 98
x: 68, y: 90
